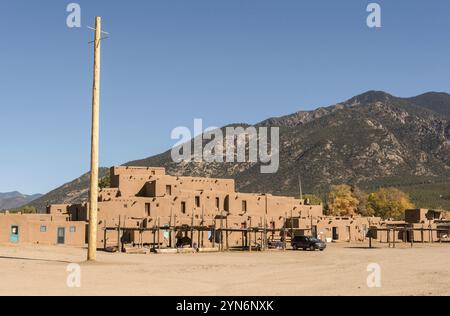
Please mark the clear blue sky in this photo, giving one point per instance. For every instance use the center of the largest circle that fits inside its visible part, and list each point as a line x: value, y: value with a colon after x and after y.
x: 168, y: 62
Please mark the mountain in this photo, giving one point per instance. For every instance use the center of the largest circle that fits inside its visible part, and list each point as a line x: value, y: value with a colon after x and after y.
x: 72, y: 192
x: 371, y: 140
x: 437, y: 102
x: 12, y: 200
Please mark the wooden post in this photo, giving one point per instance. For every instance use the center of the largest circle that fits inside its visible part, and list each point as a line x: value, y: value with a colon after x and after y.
x: 198, y: 236
x: 198, y: 229
x: 119, y: 249
x: 93, y: 193
x: 170, y: 227
x: 285, y: 230
x: 292, y: 225
x: 388, y: 237
x: 264, y: 239
x: 154, y: 237
x: 393, y: 238
x: 221, y: 233
x: 213, y: 235
x: 284, y: 234
x: 226, y: 233
x: 104, y: 236
x: 192, y: 228
x: 421, y: 233
x: 261, y: 231
x: 173, y: 237
x: 157, y: 230
x: 249, y: 235
x: 202, y: 225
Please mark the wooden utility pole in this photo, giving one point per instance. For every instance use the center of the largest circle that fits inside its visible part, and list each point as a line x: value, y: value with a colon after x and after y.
x: 93, y: 195
x: 300, y: 187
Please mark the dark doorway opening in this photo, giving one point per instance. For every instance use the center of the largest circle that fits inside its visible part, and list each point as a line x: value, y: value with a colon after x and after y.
x: 61, y: 236
x: 335, y: 233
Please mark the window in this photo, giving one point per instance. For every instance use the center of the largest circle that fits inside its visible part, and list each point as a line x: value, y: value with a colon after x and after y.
x: 244, y: 206
x: 168, y: 189
x: 183, y: 207
x: 226, y: 204
x: 43, y: 229
x: 72, y: 229
x: 197, y: 201
x: 147, y: 209
x: 217, y: 203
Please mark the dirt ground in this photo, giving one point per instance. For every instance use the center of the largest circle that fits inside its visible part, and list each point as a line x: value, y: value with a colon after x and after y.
x: 340, y: 270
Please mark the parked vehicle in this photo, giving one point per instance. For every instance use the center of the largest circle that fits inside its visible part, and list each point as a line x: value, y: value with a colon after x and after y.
x: 308, y: 243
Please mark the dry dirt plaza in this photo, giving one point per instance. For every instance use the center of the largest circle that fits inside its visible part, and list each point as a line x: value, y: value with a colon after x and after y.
x: 340, y: 270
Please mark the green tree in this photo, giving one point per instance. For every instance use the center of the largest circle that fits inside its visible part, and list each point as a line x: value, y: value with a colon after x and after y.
x: 104, y: 182
x: 25, y: 210
x: 362, y: 198
x: 389, y: 203
x: 313, y: 199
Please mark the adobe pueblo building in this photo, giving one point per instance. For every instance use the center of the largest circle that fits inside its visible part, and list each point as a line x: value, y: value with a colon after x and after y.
x: 420, y: 225
x: 147, y: 207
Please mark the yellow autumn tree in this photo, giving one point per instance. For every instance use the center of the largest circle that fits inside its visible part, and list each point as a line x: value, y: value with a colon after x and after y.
x: 389, y: 203
x: 341, y: 201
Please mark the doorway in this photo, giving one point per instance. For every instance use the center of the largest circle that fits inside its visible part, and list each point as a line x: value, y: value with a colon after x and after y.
x: 14, y: 237
x: 335, y: 233
x: 61, y: 236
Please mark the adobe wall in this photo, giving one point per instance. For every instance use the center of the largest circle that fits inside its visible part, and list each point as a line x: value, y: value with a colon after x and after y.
x: 147, y: 197
x: 335, y: 229
x: 415, y: 216
x: 41, y: 229
x: 58, y: 209
x: 420, y: 216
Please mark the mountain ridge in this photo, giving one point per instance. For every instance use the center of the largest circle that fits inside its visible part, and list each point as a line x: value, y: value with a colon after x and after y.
x: 370, y: 140
x: 15, y: 199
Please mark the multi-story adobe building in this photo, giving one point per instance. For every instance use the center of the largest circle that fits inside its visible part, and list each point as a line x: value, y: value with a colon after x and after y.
x: 140, y: 198
x: 158, y: 210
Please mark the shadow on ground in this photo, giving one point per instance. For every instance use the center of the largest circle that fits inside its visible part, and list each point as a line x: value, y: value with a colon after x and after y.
x: 34, y: 259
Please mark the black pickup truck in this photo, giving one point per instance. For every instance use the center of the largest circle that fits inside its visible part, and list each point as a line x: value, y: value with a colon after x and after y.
x: 310, y: 243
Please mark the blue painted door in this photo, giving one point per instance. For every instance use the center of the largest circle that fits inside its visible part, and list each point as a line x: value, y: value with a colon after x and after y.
x: 14, y: 237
